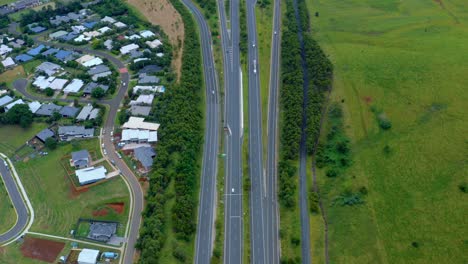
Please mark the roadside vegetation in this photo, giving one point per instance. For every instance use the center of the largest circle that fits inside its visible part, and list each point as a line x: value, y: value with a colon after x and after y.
x: 174, y: 180
x: 8, y: 216
x: 399, y: 80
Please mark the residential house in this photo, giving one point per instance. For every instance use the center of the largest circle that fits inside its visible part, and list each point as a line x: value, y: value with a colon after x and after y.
x: 4, y: 49
x: 45, y: 134
x: 80, y: 159
x: 138, y: 136
x: 147, y: 34
x: 69, y: 111
x: 83, y: 115
x: 8, y: 62
x: 143, y: 99
x: 89, y: 25
x: 150, y: 69
x: 145, y: 156
x: 74, y: 86
x: 91, y: 174
x: 104, y: 30
x: 88, y: 89
x: 154, y: 44
x: 34, y: 106
x: 5, y: 100
x: 139, y: 123
x: 88, y: 256
x: 120, y: 25
x: 58, y: 84
x: 23, y: 58
x: 10, y: 105
x: 109, y: 20
x: 126, y: 49
x: 58, y: 34
x: 36, y: 51
x: 50, y: 51
x: 147, y: 79
x: 93, y: 114
x: 78, y: 29
x: 99, y: 71
x: 108, y: 44
x: 138, y: 110
x: 48, y: 68
x: 48, y: 109
x: 148, y: 89
x: 67, y: 133
x: 42, y: 82
x: 64, y: 55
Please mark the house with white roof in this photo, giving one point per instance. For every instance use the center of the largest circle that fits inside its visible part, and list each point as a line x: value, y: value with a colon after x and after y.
x: 126, y: 49
x: 139, y: 123
x: 139, y: 136
x: 74, y: 86
x: 148, y: 88
x: 91, y: 174
x: 108, y: 44
x: 10, y: 105
x: 132, y: 37
x: 143, y: 99
x: 4, y: 49
x: 147, y: 34
x: 34, y: 106
x: 120, y: 25
x: 104, y: 29
x: 92, y: 34
x: 5, y: 100
x: 43, y: 82
x: 78, y: 29
x: 108, y: 20
x: 88, y: 256
x: 84, y: 58
x: 154, y: 44
x: 8, y: 62
x: 94, y: 62
x: 81, y: 38
x: 58, y: 84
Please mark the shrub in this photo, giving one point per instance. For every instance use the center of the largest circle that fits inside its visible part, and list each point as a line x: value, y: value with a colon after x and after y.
x: 295, y: 241
x: 463, y: 187
x: 332, y: 173
x: 313, y: 202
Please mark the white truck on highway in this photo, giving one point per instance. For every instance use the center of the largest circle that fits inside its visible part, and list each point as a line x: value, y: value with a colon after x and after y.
x: 255, y: 66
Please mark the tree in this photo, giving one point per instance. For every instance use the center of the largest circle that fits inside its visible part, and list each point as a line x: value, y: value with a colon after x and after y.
x: 49, y: 91
x: 20, y: 114
x: 51, y: 143
x: 98, y: 93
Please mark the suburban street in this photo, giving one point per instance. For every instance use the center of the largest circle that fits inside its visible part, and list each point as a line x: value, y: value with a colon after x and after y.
x: 272, y: 244
x: 233, y: 233
x: 114, y: 103
x: 18, y: 203
x: 207, y: 199
x: 257, y: 187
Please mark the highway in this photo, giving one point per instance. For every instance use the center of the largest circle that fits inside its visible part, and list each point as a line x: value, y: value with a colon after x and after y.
x: 207, y: 200
x: 257, y: 191
x: 271, y: 206
x: 114, y: 104
x: 233, y: 238
x: 18, y: 204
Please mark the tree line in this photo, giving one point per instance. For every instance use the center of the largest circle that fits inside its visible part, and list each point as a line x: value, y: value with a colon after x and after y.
x: 181, y: 136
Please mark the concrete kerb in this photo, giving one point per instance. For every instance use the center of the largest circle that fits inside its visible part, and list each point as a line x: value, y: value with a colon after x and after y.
x: 24, y: 196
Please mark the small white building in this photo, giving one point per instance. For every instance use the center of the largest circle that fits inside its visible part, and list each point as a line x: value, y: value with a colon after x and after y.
x: 104, y: 29
x: 10, y: 105
x: 108, y: 20
x: 126, y: 49
x: 88, y: 256
x: 91, y: 174
x: 120, y: 25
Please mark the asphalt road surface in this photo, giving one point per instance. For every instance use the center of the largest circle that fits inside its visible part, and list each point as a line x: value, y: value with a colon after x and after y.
x: 271, y: 205
x: 233, y: 238
x: 257, y: 191
x: 206, y: 209
x: 18, y: 203
x: 114, y: 103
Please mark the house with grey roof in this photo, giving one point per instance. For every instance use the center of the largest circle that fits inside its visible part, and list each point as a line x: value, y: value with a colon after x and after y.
x: 151, y: 69
x: 144, y: 78
x: 145, y: 156
x: 80, y: 159
x: 138, y: 110
x: 83, y: 115
x: 48, y: 68
x: 45, y: 134
x: 48, y: 109
x: 67, y: 133
x: 88, y: 89
x: 93, y: 114
x: 69, y: 111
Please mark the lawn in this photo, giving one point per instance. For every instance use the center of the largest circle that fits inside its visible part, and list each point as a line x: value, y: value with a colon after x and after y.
x: 12, y: 136
x: 8, y: 215
x: 56, y: 207
x: 408, y: 60
x: 10, y: 76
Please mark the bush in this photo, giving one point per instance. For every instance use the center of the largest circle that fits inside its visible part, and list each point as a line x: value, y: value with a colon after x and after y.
x: 51, y: 143
x: 463, y: 187
x: 49, y: 91
x: 295, y: 241
x: 313, y: 202
x: 385, y: 124
x: 332, y: 173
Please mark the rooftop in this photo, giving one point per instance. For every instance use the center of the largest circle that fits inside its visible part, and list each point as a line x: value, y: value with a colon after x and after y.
x: 139, y: 123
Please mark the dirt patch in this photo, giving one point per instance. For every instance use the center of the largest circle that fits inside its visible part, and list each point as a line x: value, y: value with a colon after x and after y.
x: 162, y: 13
x: 100, y: 212
x: 367, y: 99
x: 117, y: 207
x: 41, y: 249
x: 74, y: 192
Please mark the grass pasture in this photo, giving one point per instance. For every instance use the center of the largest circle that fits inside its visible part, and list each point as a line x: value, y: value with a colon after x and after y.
x: 57, y: 207
x: 409, y: 60
x: 12, y: 136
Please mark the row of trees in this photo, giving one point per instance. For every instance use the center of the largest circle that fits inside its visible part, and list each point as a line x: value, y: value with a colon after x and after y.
x: 177, y: 159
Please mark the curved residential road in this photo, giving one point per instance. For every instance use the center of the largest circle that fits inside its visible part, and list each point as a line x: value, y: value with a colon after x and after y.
x: 114, y: 103
x: 18, y: 203
x: 206, y: 209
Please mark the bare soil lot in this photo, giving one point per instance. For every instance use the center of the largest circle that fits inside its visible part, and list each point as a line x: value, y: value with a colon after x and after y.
x: 41, y: 249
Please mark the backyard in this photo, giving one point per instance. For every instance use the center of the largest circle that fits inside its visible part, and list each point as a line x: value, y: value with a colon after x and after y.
x: 392, y: 61
x: 56, y: 205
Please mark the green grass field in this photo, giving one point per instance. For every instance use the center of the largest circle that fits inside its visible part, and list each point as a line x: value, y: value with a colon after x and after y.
x: 12, y: 137
x: 8, y: 215
x: 56, y: 207
x: 409, y: 59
